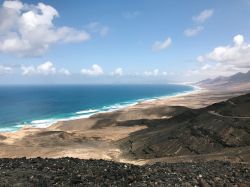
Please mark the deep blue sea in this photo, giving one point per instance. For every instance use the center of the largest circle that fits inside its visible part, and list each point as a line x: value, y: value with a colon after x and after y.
x: 40, y: 106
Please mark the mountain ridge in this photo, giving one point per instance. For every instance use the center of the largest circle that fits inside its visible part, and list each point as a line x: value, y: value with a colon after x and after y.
x: 233, y: 80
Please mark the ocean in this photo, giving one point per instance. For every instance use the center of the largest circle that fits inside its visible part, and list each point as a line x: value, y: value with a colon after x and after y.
x: 41, y: 106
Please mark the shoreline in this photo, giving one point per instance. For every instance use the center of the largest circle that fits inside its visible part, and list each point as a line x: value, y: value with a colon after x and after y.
x: 97, y: 137
x: 84, y: 114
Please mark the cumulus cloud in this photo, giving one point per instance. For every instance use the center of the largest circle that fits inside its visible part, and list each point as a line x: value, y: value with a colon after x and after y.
x: 155, y: 72
x: 46, y: 68
x: 97, y: 27
x: 193, y: 31
x: 237, y: 54
x: 28, y: 70
x: 204, y: 15
x: 28, y: 30
x: 158, y: 45
x: 118, y: 72
x: 224, y: 60
x: 238, y: 40
x: 5, y: 70
x: 95, y: 70
x: 64, y: 71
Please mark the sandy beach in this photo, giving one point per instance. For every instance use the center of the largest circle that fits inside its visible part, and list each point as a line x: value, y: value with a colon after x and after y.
x: 96, y: 137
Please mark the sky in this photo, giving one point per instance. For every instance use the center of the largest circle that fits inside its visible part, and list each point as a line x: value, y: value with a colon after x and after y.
x: 123, y: 42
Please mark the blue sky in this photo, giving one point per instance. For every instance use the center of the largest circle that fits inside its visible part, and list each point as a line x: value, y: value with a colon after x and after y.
x: 150, y: 41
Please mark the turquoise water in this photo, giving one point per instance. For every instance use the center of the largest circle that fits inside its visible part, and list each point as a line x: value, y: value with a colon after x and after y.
x: 40, y: 106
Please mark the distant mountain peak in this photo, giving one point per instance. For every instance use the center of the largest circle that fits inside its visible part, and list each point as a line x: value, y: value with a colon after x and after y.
x: 235, y: 79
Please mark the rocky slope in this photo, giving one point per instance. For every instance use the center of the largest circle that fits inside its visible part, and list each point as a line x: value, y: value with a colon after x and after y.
x: 222, y: 129
x: 76, y: 172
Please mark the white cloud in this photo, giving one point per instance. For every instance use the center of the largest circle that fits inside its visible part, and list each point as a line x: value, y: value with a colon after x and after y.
x: 16, y: 5
x: 201, y: 18
x: 28, y: 30
x: 193, y: 31
x: 118, y: 72
x: 46, y: 68
x: 239, y: 40
x: 204, y: 15
x: 97, y: 27
x: 95, y: 70
x: 28, y: 70
x: 158, y: 45
x: 155, y: 72
x: 168, y: 73
x: 214, y: 70
x: 224, y: 60
x: 5, y: 70
x: 237, y: 54
x: 64, y: 71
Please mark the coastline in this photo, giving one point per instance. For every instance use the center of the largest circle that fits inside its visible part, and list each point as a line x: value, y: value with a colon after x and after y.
x: 83, y: 114
x: 96, y: 137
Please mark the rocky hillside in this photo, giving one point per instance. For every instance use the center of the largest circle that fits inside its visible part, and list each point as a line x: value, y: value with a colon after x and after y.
x: 76, y: 172
x: 222, y: 129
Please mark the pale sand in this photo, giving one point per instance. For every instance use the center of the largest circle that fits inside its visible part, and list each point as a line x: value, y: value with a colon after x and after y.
x: 95, y: 137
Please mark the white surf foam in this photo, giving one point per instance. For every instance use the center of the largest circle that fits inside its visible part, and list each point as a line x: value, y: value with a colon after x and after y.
x: 87, y: 111
x: 8, y: 129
